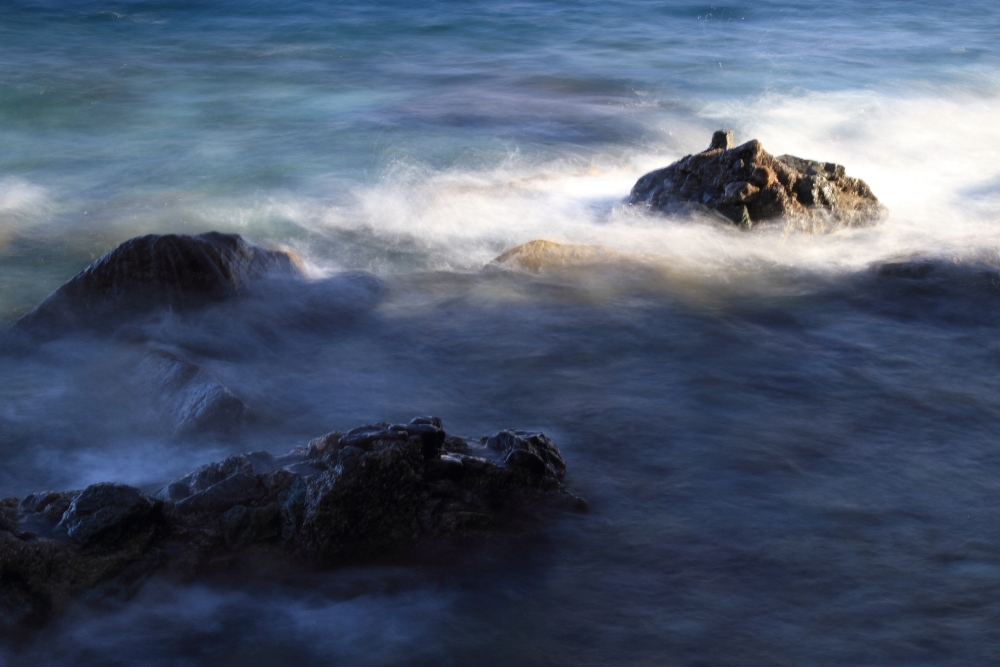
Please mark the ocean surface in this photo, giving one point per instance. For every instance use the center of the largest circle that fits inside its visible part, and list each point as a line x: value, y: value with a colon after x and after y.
x: 791, y: 456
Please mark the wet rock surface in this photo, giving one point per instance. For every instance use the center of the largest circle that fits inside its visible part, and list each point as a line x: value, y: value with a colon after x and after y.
x: 373, y: 494
x: 190, y: 398
x: 146, y: 273
x: 747, y: 185
x: 539, y: 255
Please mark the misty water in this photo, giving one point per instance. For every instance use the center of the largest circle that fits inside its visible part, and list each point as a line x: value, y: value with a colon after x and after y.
x: 791, y: 456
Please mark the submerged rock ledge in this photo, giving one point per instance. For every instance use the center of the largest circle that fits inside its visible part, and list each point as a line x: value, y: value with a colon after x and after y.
x: 748, y: 185
x: 537, y: 255
x: 372, y: 494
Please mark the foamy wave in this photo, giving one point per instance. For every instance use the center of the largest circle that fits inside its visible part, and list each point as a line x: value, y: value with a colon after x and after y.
x: 930, y: 160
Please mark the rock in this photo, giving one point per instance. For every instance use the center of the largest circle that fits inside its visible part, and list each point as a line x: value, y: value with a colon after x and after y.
x: 376, y: 492
x: 238, y: 489
x: 170, y: 271
x: 40, y: 511
x: 208, y: 475
x: 533, y: 451
x: 51, y: 504
x: 539, y: 255
x: 107, y: 537
x: 722, y: 139
x: 747, y: 186
x: 107, y: 512
x: 914, y: 269
x: 191, y: 398
x: 368, y: 509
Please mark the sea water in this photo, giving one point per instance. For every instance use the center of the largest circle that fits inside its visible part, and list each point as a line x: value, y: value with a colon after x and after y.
x: 791, y: 458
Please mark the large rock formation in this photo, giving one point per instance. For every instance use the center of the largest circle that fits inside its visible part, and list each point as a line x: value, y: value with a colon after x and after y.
x: 748, y: 185
x: 371, y: 494
x: 175, y: 272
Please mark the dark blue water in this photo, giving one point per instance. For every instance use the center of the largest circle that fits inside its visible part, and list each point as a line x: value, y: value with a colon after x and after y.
x: 790, y: 457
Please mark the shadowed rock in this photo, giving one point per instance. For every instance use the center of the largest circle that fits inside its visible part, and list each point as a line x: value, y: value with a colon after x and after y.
x: 152, y: 273
x: 106, y: 512
x: 747, y: 185
x: 170, y: 271
x: 375, y: 493
x: 190, y: 398
x: 532, y: 451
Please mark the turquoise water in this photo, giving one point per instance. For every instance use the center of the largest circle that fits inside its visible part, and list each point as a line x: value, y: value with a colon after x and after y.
x: 790, y: 458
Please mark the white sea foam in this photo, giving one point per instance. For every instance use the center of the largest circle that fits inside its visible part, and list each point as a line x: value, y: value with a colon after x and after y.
x: 931, y: 160
x: 21, y: 205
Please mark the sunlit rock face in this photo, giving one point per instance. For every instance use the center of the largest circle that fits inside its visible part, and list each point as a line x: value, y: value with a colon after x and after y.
x: 146, y: 273
x: 747, y: 185
x: 540, y: 255
x: 372, y: 494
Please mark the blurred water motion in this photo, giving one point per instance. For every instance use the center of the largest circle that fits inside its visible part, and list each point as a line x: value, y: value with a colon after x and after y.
x: 789, y: 452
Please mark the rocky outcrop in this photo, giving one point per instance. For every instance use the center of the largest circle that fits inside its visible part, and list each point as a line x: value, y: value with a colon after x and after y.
x: 147, y: 273
x: 747, y: 185
x: 540, y: 255
x: 374, y: 493
x: 160, y: 272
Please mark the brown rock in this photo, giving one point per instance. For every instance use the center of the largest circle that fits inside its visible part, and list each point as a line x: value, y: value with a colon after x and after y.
x: 748, y: 185
x: 764, y: 177
x: 540, y: 254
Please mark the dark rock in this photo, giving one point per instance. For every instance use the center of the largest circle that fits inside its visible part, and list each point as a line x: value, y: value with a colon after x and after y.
x: 50, y: 504
x: 190, y: 398
x: 366, y: 510
x: 455, y: 445
x: 242, y: 525
x: 107, y: 512
x: 722, y: 139
x: 534, y: 451
x: 39, y: 512
x: 747, y: 186
x: 207, y: 475
x: 374, y: 493
x: 914, y: 269
x: 365, y: 439
x: 239, y: 488
x: 173, y: 272
x: 447, y: 466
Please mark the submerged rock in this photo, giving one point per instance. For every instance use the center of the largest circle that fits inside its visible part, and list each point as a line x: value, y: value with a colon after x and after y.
x: 374, y: 493
x: 170, y: 271
x: 190, y: 398
x: 539, y: 255
x: 747, y: 185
